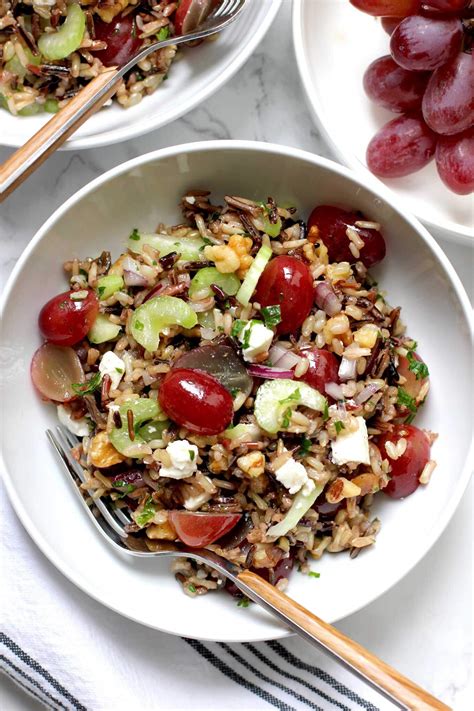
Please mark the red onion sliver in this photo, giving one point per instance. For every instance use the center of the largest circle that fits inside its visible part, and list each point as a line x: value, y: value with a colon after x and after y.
x: 134, y: 278
x: 365, y: 394
x: 347, y: 369
x: 265, y: 371
x: 334, y: 390
x: 326, y: 298
x: 283, y: 357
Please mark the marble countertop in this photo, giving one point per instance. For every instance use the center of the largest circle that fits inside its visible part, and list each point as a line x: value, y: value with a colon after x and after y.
x: 423, y: 625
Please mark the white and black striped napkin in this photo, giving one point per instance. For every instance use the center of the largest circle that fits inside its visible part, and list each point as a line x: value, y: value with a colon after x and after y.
x: 69, y: 652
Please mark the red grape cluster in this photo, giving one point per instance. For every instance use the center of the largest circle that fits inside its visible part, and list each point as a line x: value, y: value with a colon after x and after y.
x: 428, y: 78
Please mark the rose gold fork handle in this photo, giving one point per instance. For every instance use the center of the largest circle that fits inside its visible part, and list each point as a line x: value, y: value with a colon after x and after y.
x: 379, y: 674
x: 53, y: 134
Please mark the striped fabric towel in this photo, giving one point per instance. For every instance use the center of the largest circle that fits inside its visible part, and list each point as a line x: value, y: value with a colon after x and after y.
x: 69, y: 652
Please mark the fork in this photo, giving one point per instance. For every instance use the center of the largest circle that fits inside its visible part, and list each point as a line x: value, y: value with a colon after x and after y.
x: 94, y: 95
x: 111, y: 520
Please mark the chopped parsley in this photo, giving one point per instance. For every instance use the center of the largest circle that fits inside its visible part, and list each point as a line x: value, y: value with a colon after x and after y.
x: 234, y: 392
x: 271, y: 315
x: 417, y: 366
x: 89, y: 386
x: 101, y: 290
x: 304, y: 446
x: 192, y: 454
x: 83, y: 272
x: 286, y: 417
x: 146, y: 514
x: 125, y: 488
x: 294, y: 397
x: 163, y: 34
x: 119, y: 370
x: 192, y: 588
x: 326, y: 411
x: 406, y: 400
x: 237, y: 328
x: 339, y: 426
x: 313, y: 574
x: 139, y: 325
x: 244, y: 602
x: 135, y: 235
x: 206, y: 243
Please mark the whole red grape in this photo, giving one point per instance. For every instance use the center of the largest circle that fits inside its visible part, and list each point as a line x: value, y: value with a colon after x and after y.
x: 448, y: 103
x: 424, y: 43
x: 455, y: 161
x: 387, y: 8
x: 403, y: 146
x: 394, y: 88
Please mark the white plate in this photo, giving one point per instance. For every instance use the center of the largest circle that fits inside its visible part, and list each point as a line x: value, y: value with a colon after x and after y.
x: 140, y: 194
x: 192, y: 79
x: 334, y: 45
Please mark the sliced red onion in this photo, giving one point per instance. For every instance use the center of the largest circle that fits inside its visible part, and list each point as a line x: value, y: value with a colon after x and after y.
x: 283, y: 357
x: 334, y: 390
x: 367, y: 393
x: 265, y: 371
x: 134, y: 278
x: 347, y: 369
x: 326, y: 298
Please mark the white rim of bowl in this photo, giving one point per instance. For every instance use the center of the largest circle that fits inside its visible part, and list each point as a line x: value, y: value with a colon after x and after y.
x: 251, y: 146
x: 454, y: 231
x: 127, y: 133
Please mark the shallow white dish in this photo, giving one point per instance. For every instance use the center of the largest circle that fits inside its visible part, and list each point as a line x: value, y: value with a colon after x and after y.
x: 334, y: 44
x: 192, y: 79
x: 141, y: 193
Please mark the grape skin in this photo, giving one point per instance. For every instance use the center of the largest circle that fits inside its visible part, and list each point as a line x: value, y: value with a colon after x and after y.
x: 448, y: 103
x: 403, y: 146
x: 423, y: 43
x: 393, y: 87
x: 455, y: 162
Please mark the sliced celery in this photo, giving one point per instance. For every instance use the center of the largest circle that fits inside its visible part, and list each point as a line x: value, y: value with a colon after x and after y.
x: 60, y: 44
x: 108, y: 285
x: 103, y: 330
x: 302, y: 502
x: 275, y: 398
x: 202, y: 280
x: 149, y: 320
x: 143, y: 409
x: 261, y: 260
x: 191, y: 249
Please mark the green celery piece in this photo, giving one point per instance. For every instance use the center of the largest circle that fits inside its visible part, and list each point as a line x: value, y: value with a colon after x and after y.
x: 108, y: 285
x: 60, y: 44
x: 202, y: 280
x: 103, y: 330
x: 144, y: 409
x: 275, y: 397
x: 154, y: 315
x: 191, y: 249
x: 301, y: 504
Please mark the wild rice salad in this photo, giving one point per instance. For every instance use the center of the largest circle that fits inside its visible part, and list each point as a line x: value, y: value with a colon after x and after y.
x: 51, y: 48
x: 240, y: 383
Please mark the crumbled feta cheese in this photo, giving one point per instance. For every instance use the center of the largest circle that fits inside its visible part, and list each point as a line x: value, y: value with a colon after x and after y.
x: 183, y: 457
x: 114, y: 366
x: 78, y: 427
x: 352, y: 446
x: 292, y: 475
x: 256, y: 339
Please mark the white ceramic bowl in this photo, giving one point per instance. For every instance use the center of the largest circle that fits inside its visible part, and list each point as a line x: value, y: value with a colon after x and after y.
x: 334, y: 44
x: 141, y: 193
x: 193, y: 79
